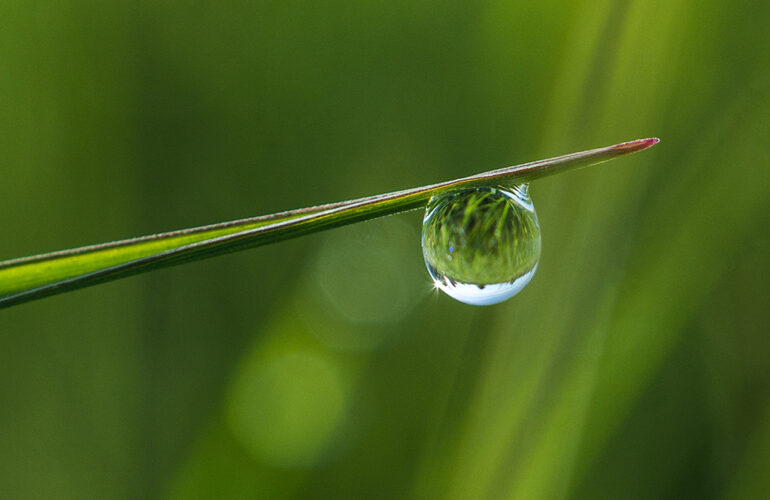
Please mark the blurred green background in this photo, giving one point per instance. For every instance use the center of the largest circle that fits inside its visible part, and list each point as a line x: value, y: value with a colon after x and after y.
x: 635, y: 365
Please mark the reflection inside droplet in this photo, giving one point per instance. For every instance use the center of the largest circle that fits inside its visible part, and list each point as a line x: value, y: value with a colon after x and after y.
x: 481, y: 245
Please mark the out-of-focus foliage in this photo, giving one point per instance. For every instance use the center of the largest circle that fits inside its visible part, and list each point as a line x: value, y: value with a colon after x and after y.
x: 634, y: 365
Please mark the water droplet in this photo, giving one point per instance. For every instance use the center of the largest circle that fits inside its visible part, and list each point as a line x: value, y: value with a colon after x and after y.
x: 481, y: 245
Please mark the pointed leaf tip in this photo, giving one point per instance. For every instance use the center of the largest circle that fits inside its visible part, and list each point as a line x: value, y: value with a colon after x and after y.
x: 637, y: 145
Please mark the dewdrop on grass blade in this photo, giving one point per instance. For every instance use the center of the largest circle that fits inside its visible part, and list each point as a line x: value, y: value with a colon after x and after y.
x: 481, y: 245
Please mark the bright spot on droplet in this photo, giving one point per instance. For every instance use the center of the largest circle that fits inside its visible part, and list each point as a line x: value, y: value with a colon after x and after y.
x: 481, y: 245
x: 287, y: 409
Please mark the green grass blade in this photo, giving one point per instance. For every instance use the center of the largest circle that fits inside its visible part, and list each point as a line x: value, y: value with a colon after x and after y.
x: 38, y: 276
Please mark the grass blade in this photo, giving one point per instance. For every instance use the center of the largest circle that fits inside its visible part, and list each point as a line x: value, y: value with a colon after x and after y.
x: 38, y: 276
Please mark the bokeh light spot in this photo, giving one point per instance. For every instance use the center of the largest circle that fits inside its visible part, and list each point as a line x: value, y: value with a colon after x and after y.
x: 286, y: 409
x: 366, y: 271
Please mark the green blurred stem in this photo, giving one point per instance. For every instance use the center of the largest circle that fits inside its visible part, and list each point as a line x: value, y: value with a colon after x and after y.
x: 39, y: 276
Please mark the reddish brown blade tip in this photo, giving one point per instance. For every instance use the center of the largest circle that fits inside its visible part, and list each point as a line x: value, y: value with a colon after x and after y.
x: 637, y: 145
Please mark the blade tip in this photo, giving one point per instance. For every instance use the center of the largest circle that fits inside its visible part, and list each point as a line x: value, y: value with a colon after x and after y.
x: 637, y: 145
x: 647, y: 143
